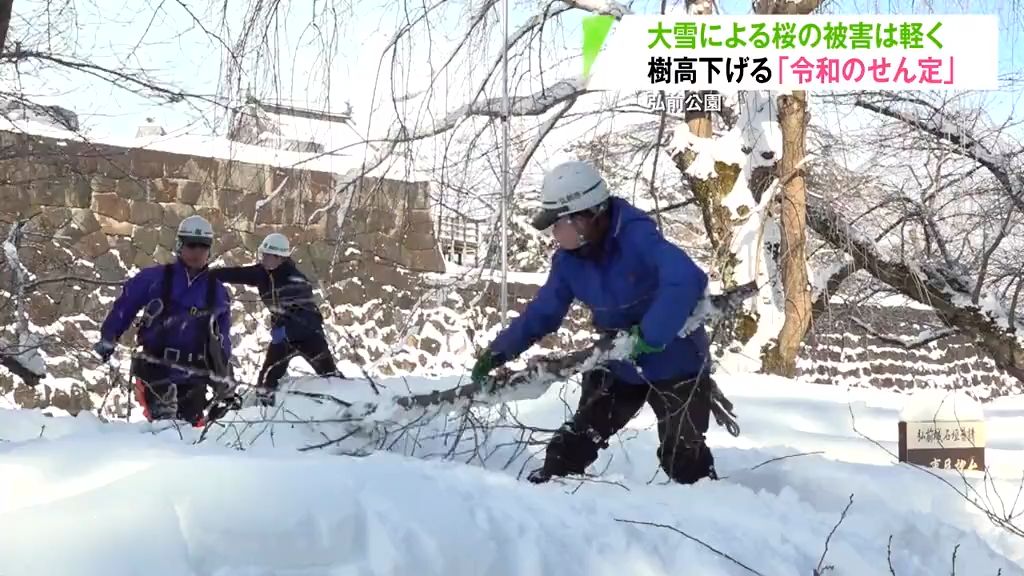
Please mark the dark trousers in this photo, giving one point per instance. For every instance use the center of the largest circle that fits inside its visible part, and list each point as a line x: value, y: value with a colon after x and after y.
x: 607, y: 405
x: 162, y: 398
x: 314, y: 350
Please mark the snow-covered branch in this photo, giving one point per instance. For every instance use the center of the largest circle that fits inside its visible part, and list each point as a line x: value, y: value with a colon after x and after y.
x: 940, y: 127
x: 22, y: 357
x: 948, y: 294
x: 535, y: 21
x: 922, y: 339
x: 534, y: 104
x: 604, y: 7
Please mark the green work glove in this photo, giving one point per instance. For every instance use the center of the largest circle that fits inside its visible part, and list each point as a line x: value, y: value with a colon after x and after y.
x: 485, y: 362
x: 640, y: 346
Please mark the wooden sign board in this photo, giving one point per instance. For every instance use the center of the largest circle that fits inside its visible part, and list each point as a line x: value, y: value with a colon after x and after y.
x: 952, y: 445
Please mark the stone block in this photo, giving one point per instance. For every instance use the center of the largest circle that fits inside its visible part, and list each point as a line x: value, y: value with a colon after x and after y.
x: 115, y: 167
x: 417, y: 242
x: 143, y: 213
x: 248, y: 177
x: 189, y: 191
x: 146, y: 239
x: 126, y: 250
x: 42, y: 309
x: 111, y: 205
x: 109, y: 267
x: 236, y: 257
x: 420, y: 222
x: 214, y: 216
x: 84, y: 220
x: 131, y: 189
x: 202, y: 170
x: 423, y: 260
x: 78, y: 192
x: 175, y: 213
x: 320, y: 256
x: 31, y: 170
x: 93, y: 245
x: 163, y: 190
x: 143, y: 260
x: 226, y: 200
x: 163, y: 255
x: 244, y: 209
x: 53, y: 218
x: 176, y: 165
x: 103, y: 184
x: 13, y: 200
x: 112, y: 227
x: 227, y: 241
x: 147, y: 164
x: 168, y: 237
x: 250, y: 241
x: 49, y: 192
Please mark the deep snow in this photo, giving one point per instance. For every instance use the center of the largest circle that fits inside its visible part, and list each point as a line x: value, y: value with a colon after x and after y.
x: 78, y: 496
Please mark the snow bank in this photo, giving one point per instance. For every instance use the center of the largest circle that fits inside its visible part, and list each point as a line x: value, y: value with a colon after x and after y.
x: 81, y: 497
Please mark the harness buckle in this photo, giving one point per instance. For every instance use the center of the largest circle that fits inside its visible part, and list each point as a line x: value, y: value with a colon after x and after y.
x: 176, y: 353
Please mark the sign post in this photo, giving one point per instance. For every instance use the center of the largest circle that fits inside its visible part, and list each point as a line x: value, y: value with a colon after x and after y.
x: 945, y: 444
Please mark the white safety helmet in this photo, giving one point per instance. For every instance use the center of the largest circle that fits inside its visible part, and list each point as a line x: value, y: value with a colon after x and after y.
x: 276, y: 244
x: 194, y: 230
x: 570, y: 187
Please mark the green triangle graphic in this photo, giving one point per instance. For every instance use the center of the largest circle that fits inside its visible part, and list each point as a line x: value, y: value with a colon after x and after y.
x: 595, y: 31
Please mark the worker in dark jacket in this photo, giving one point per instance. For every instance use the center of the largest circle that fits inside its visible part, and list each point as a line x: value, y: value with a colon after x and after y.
x: 184, y: 333
x: 297, y: 325
x: 614, y: 260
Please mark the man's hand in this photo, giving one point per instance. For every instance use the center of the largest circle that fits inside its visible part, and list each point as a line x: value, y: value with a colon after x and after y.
x: 485, y: 362
x: 639, y: 345
x: 104, y: 349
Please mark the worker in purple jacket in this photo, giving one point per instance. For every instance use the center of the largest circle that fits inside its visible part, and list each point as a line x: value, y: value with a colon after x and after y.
x: 184, y: 332
x: 614, y: 260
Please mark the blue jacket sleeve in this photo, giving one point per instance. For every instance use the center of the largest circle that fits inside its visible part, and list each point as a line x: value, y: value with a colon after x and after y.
x: 135, y: 294
x: 542, y: 316
x: 681, y: 283
x: 223, y: 304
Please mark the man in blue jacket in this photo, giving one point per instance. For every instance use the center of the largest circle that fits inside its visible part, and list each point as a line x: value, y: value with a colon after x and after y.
x: 184, y: 332
x: 614, y: 260
x: 298, y: 326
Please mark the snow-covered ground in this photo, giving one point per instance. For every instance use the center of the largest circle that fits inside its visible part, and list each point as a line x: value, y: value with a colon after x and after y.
x: 79, y: 496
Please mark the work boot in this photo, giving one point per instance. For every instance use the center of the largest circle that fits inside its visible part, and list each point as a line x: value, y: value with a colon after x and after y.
x: 539, y: 476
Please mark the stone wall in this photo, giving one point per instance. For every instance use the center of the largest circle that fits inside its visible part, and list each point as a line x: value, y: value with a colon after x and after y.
x: 840, y: 351
x: 97, y: 198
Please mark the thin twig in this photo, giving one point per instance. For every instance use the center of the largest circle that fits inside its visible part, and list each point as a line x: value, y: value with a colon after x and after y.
x: 888, y: 556
x: 697, y: 540
x: 821, y: 561
x: 787, y: 456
